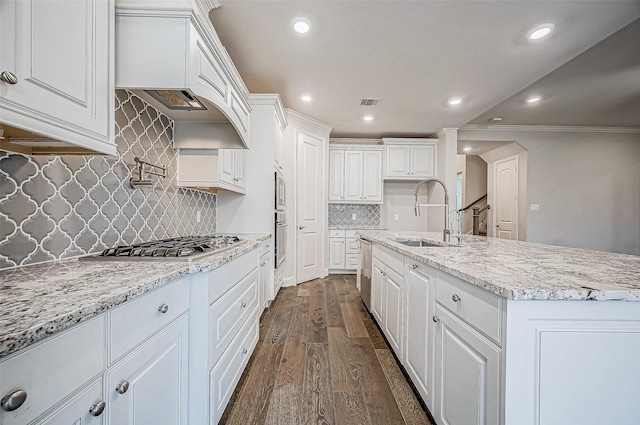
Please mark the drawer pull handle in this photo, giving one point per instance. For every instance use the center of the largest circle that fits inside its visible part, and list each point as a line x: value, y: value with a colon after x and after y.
x: 244, y: 351
x: 11, y: 402
x: 435, y: 318
x: 163, y: 308
x: 243, y: 305
x: 455, y: 298
x: 97, y: 408
x: 414, y: 266
x: 9, y: 77
x: 122, y: 387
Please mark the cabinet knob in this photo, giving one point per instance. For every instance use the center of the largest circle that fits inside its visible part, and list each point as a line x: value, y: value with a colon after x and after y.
x: 13, y: 401
x: 8, y: 77
x: 414, y: 266
x: 435, y: 318
x: 163, y: 308
x: 244, y: 351
x: 97, y: 408
x: 122, y: 387
x: 302, y: 227
x: 455, y: 298
x: 243, y: 305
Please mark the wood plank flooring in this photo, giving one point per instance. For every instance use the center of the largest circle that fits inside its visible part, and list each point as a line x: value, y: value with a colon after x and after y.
x: 321, y: 360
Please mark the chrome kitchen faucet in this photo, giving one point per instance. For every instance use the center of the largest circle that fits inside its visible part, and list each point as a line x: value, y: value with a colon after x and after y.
x: 446, y: 233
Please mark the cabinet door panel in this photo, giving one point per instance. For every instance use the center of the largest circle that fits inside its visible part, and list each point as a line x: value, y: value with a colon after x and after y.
x: 392, y: 312
x: 397, y: 161
x: 337, y: 253
x: 377, y: 289
x: 226, y: 164
x: 419, y: 329
x: 240, y: 158
x: 76, y: 411
x: 467, y: 374
x: 372, y: 176
x: 422, y: 160
x: 336, y: 175
x: 157, y: 376
x: 353, y: 175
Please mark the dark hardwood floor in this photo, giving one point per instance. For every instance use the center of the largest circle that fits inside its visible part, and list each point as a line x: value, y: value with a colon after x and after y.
x: 320, y: 359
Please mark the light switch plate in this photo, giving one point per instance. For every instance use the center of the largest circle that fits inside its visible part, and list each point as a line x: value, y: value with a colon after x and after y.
x: 198, y: 217
x: 354, y: 216
x: 535, y: 207
x: 396, y: 217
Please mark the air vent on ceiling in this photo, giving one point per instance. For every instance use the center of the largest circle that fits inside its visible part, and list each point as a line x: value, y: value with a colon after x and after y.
x: 370, y: 102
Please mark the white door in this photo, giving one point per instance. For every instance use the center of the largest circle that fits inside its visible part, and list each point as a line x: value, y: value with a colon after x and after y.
x: 310, y: 243
x: 372, y: 176
x: 506, y: 199
x: 336, y: 175
x: 353, y: 175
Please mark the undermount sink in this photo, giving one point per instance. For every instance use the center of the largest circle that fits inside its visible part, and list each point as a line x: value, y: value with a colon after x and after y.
x: 420, y: 243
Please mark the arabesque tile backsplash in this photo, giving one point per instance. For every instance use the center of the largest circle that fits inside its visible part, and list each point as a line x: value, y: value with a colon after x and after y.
x: 342, y: 215
x: 54, y: 207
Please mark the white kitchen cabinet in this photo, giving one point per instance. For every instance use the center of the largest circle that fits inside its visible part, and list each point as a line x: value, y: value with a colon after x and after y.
x: 343, y: 250
x: 355, y: 175
x: 337, y: 253
x: 468, y: 374
x: 63, y: 68
x: 377, y: 289
x: 419, y: 328
x: 210, y: 170
x: 86, y: 408
x: 150, y: 386
x: 265, y: 275
x: 51, y: 371
x: 410, y: 159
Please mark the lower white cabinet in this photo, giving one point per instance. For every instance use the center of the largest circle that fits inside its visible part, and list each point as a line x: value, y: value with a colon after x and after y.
x: 81, y: 409
x: 419, y: 330
x: 336, y: 253
x: 265, y: 276
x: 150, y: 386
x: 52, y: 371
x: 343, y: 250
x: 467, y: 389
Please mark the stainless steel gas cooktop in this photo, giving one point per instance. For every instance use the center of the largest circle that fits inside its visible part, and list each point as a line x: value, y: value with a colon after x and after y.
x: 187, y: 248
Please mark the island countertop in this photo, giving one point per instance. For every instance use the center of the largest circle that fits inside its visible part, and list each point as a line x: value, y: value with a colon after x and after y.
x: 39, y: 300
x: 523, y: 270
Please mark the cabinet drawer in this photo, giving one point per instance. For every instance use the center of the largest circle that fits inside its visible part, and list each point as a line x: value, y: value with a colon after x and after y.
x: 53, y: 369
x: 351, y: 262
x: 337, y: 233
x: 229, y: 313
x: 135, y: 321
x: 480, y: 309
x: 352, y: 245
x: 264, y: 248
x: 350, y: 233
x: 76, y: 411
x: 225, y: 376
x: 224, y: 278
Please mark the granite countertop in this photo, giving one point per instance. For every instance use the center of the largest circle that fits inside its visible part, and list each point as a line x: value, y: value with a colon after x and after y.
x: 524, y: 270
x: 39, y: 300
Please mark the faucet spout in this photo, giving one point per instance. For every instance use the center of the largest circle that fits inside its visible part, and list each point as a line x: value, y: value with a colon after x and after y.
x: 446, y: 233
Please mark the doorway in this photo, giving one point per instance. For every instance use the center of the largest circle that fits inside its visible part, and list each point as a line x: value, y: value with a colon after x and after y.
x: 505, y: 215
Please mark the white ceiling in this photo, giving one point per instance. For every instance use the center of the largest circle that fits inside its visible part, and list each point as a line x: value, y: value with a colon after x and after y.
x: 415, y: 55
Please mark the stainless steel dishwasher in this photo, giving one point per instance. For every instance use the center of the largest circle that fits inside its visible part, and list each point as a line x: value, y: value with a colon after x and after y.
x: 364, y: 272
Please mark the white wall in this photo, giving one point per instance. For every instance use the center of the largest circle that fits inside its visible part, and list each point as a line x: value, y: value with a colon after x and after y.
x: 586, y: 181
x: 398, y: 199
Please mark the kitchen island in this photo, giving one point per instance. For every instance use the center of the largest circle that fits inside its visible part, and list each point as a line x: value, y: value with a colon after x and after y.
x: 520, y: 333
x: 75, y: 336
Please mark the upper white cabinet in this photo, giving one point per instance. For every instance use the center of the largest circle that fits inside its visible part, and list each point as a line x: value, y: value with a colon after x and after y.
x: 355, y: 175
x: 57, y: 80
x: 410, y: 159
x: 211, y: 170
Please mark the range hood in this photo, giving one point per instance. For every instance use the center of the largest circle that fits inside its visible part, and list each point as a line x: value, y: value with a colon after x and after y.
x: 176, y: 63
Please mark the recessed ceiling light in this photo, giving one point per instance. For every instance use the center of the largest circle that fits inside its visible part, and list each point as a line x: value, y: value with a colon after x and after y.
x: 534, y: 99
x: 467, y: 149
x: 455, y: 101
x: 306, y: 98
x: 301, y: 25
x: 541, y: 31
x: 368, y: 118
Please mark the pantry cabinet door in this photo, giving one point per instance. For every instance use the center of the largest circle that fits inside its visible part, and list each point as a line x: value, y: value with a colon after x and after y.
x: 353, y: 175
x: 372, y: 176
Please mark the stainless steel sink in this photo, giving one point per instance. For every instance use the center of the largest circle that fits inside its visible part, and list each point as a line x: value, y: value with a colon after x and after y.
x: 419, y: 243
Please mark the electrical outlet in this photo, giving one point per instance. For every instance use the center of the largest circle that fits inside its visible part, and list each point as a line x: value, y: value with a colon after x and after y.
x: 354, y: 216
x: 198, y: 217
x: 535, y: 207
x: 396, y: 217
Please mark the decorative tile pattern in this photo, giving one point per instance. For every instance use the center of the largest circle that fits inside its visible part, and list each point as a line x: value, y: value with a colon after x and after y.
x: 366, y: 215
x: 54, y: 207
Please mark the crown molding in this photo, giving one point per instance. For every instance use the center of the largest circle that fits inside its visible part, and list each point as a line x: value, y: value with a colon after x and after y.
x: 552, y: 128
x: 291, y: 114
x: 354, y: 141
x: 269, y: 99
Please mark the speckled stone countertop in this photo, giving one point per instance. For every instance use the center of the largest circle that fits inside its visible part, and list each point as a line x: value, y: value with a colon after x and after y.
x: 526, y: 271
x: 40, y: 300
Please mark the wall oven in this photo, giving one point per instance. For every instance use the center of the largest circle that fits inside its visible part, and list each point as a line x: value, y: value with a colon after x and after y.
x: 280, y: 238
x: 280, y: 193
